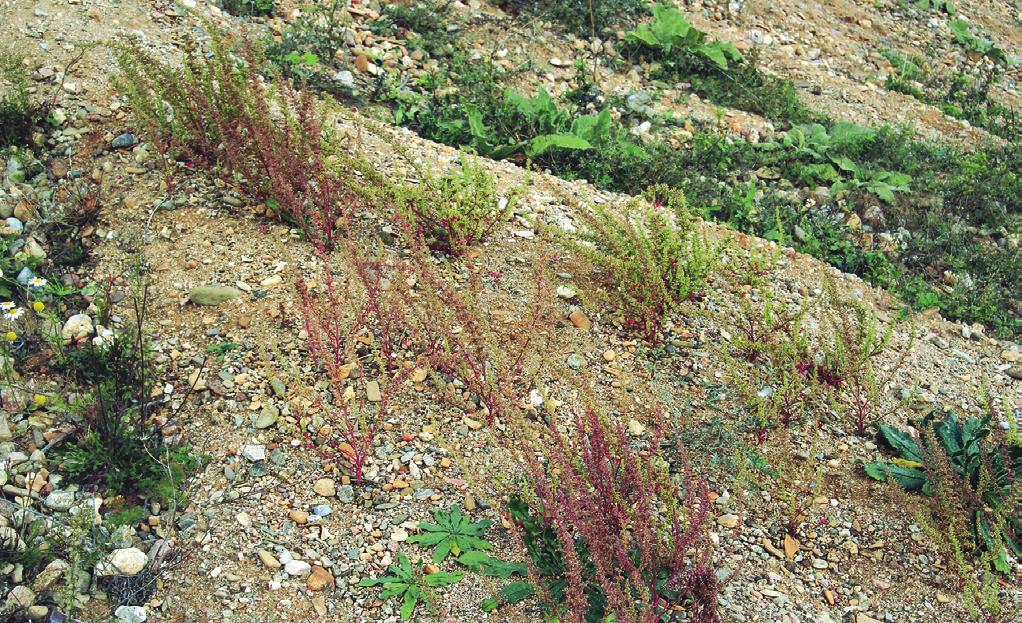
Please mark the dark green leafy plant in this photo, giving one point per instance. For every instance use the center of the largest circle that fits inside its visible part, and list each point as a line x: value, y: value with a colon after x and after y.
x: 585, y: 17
x: 18, y: 112
x: 452, y: 533
x: 675, y: 41
x: 983, y: 466
x: 249, y: 7
x: 965, y: 37
x: 483, y: 563
x: 410, y: 585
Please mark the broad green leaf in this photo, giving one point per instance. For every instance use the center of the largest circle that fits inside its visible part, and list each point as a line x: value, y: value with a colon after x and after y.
x: 592, y: 127
x: 713, y: 53
x: 845, y: 164
x: 882, y: 190
x: 902, y: 443
x: 510, y: 594
x: 546, y: 142
x: 481, y: 562
x: 446, y: 544
x: 908, y: 477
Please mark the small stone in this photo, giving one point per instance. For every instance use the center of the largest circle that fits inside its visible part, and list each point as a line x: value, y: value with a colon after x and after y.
x: 127, y: 561
x: 131, y: 614
x: 267, y: 417
x: 609, y: 355
x: 325, y: 487
x: 298, y: 568
x: 565, y: 293
x: 791, y: 546
x: 319, y: 579
x: 728, y: 521
x: 575, y: 361
x: 59, y: 500
x: 862, y: 617
x: 399, y: 536
x: 123, y: 141
x: 635, y: 427
x: 580, y: 320
x: 346, y: 494
x: 37, y: 613
x: 819, y: 563
x: 829, y: 596
x: 254, y: 452
x: 271, y: 281
x: 300, y: 517
x: 76, y: 328
x: 373, y: 391
x: 269, y: 560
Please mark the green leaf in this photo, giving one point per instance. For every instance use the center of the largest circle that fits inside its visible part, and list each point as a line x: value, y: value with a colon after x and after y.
x: 443, y: 549
x: 408, y: 606
x: 546, y: 142
x: 481, y: 562
x: 902, y: 443
x: 427, y: 539
x: 592, y: 127
x: 510, y: 594
x: 909, y: 478
x: 845, y: 164
x: 443, y: 578
x: 714, y: 53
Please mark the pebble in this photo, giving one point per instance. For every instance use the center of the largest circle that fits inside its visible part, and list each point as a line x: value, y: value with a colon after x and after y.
x: 297, y: 568
x: 269, y: 560
x: 728, y: 521
x: 325, y: 487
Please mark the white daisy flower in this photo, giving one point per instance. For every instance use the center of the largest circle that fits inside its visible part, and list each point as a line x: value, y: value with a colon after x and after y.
x: 7, y: 305
x: 37, y: 282
x: 14, y: 314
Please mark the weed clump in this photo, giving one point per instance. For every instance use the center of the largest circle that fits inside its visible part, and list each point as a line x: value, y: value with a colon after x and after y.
x: 218, y: 112
x: 456, y: 211
x: 610, y: 534
x: 18, y: 112
x: 651, y: 258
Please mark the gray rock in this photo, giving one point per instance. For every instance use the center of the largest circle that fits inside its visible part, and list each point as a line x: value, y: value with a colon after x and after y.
x: 346, y: 494
x: 123, y: 141
x: 131, y: 614
x: 59, y: 500
x: 267, y: 417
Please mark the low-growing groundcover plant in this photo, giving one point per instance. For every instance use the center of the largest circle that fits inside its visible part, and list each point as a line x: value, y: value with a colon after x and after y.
x: 609, y: 533
x: 452, y: 533
x: 410, y: 584
x: 970, y: 466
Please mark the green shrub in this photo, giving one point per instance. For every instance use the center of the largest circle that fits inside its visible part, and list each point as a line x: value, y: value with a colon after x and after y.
x: 248, y: 7
x: 456, y: 211
x: 680, y: 46
x: 423, y: 23
x: 306, y: 51
x: 651, y: 258
x: 18, y: 112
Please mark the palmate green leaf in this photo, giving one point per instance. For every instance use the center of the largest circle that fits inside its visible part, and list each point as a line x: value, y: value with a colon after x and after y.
x: 714, y: 53
x: 592, y: 128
